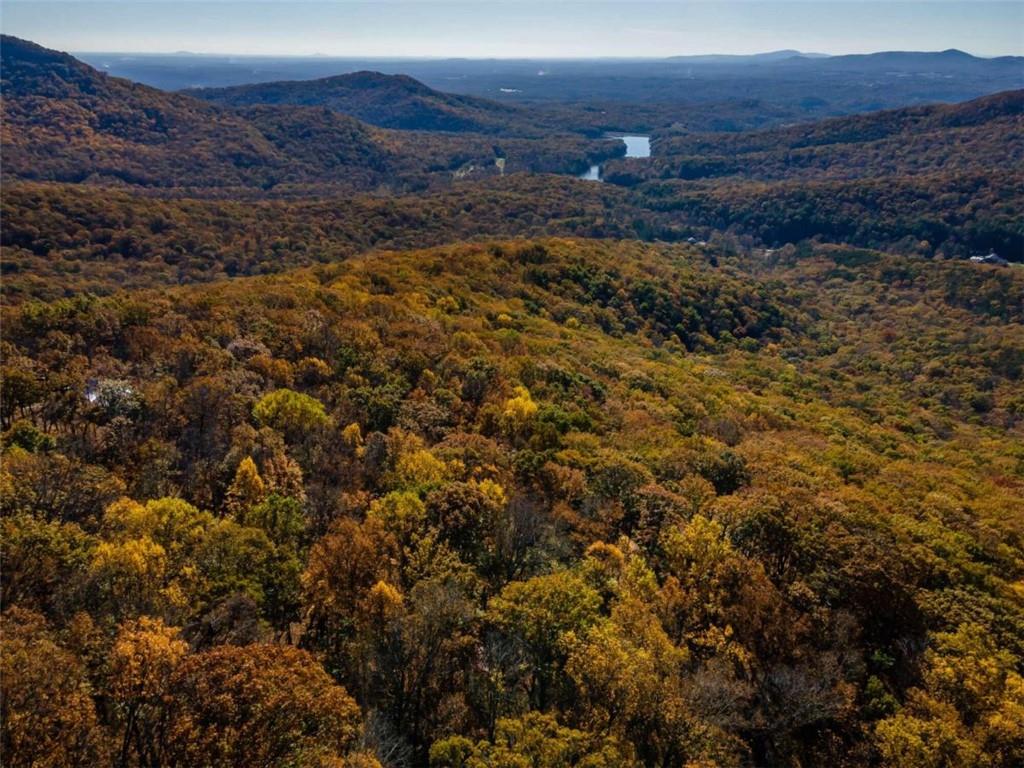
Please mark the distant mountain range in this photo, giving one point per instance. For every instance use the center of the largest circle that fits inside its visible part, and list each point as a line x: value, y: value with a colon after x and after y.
x: 804, y: 84
x: 752, y: 58
x: 889, y: 58
x: 951, y: 60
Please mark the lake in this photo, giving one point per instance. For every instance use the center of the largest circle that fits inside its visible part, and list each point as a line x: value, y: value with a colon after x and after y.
x: 636, y: 146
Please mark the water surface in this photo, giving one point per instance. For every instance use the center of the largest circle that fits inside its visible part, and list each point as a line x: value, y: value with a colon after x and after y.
x: 636, y: 146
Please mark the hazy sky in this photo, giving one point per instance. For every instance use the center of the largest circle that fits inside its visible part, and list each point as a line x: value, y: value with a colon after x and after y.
x: 527, y: 28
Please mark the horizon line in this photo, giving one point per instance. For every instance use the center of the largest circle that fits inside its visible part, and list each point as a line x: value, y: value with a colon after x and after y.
x: 598, y: 57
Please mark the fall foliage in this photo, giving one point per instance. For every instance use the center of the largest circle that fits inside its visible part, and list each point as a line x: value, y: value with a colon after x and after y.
x: 543, y: 485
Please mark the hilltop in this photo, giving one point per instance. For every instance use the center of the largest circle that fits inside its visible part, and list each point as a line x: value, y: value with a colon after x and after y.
x: 1004, y: 109
x: 753, y: 58
x: 388, y: 101
x: 65, y: 121
x: 951, y: 60
x: 979, y: 135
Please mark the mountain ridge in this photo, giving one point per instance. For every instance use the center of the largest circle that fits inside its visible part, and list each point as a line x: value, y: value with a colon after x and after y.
x: 727, y: 58
x: 388, y: 101
x: 66, y: 121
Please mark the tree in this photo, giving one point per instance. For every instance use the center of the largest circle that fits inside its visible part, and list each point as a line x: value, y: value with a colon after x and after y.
x: 631, y: 681
x: 290, y: 412
x: 929, y: 735
x: 235, y: 559
x: 535, y: 740
x: 414, y: 650
x: 282, y: 519
x: 147, y: 562
x: 518, y: 413
x: 418, y: 470
x: 128, y: 577
x: 341, y: 568
x: 44, y: 564
x: 142, y: 660
x: 19, y: 389
x: 49, y: 719
x: 236, y: 707
x: 970, y: 712
x: 56, y: 487
x: 283, y: 476
x: 246, y: 491
x: 465, y: 515
x: 174, y: 524
x: 538, y: 613
x: 403, y: 515
x: 700, y: 563
x: 616, y: 681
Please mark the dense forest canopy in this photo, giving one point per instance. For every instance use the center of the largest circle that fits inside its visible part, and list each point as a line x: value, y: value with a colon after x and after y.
x: 392, y: 444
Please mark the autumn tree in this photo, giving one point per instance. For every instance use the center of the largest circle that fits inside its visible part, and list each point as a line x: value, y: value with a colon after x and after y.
x: 342, y: 566
x: 969, y: 712
x: 257, y: 704
x: 536, y: 740
x: 49, y: 718
x: 246, y: 491
x: 290, y: 412
x: 144, y: 656
x: 538, y: 613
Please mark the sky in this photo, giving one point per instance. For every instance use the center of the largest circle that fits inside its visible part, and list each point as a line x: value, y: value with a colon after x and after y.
x: 516, y: 29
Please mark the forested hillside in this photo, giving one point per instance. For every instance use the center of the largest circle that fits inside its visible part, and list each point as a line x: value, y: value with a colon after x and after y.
x: 564, y: 501
x: 62, y: 240
x: 974, y: 136
x: 942, y: 179
x: 934, y: 181
x: 930, y: 215
x: 64, y: 121
x: 390, y: 101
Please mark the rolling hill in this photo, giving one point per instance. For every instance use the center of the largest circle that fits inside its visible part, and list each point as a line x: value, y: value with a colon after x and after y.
x: 949, y: 61
x: 978, y: 135
x: 65, y: 121
x: 769, y: 57
x: 943, y: 178
x: 388, y: 101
